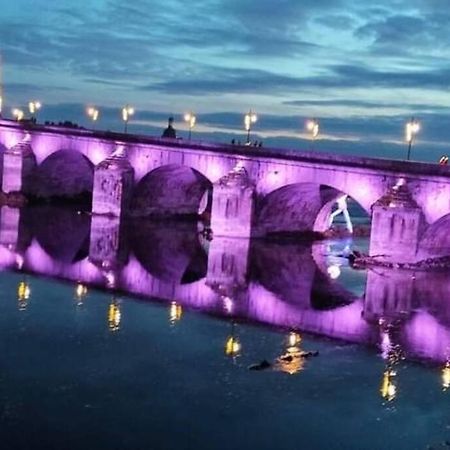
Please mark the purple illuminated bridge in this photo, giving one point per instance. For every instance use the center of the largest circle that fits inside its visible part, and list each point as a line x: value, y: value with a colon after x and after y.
x: 246, y: 192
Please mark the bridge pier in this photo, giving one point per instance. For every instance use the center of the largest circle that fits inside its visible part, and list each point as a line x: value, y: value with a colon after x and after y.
x: 233, y: 204
x: 388, y: 295
x: 19, y: 163
x: 113, y: 185
x: 228, y: 264
x: 107, y: 249
x: 397, y: 226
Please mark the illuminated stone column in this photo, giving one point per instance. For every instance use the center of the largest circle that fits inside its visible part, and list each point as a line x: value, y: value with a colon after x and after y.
x: 18, y: 165
x: 397, y: 226
x: 228, y: 261
x: 113, y: 185
x: 107, y: 247
x: 233, y: 204
x: 388, y: 294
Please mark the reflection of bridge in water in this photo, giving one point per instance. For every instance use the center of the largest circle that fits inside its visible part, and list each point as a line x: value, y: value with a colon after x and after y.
x: 287, y: 285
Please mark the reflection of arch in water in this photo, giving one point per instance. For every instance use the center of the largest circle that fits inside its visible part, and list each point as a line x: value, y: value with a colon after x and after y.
x: 172, y: 190
x: 290, y: 272
x: 299, y: 207
x: 65, y: 173
x: 170, y: 252
x: 61, y: 232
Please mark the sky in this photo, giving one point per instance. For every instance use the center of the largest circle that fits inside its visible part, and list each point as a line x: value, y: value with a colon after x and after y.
x: 362, y: 68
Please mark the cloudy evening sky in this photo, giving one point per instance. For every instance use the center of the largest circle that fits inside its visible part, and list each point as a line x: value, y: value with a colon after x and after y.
x: 363, y: 68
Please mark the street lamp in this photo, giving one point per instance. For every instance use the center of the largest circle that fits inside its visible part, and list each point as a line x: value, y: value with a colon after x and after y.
x: 93, y: 114
x: 190, y: 119
x: 411, y: 129
x: 249, y: 118
x: 312, y: 125
x: 34, y: 107
x: 127, y: 111
x: 18, y: 114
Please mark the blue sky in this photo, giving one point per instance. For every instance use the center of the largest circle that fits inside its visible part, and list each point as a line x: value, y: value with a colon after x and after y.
x: 363, y: 68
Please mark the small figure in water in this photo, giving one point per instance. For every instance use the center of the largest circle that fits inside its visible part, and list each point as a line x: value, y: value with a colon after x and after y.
x: 170, y: 131
x: 342, y: 209
x: 264, y: 364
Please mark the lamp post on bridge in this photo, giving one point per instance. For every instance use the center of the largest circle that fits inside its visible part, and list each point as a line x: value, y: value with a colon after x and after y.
x: 34, y: 106
x: 93, y: 113
x: 18, y: 114
x: 411, y: 129
x: 249, y: 119
x: 312, y: 125
x: 127, y: 111
x: 191, y: 120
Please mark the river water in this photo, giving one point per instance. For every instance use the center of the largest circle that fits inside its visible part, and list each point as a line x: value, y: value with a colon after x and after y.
x: 141, y: 335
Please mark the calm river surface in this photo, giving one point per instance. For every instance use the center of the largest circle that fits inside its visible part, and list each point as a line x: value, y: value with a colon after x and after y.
x: 140, y: 336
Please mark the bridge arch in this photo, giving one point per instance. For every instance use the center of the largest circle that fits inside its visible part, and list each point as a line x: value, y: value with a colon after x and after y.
x: 172, y: 190
x: 298, y: 207
x: 64, y: 173
x: 435, y: 241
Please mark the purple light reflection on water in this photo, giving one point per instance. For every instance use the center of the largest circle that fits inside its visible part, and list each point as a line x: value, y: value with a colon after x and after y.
x: 285, y: 297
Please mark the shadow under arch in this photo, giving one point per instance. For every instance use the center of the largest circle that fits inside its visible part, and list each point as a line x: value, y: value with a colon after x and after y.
x: 435, y: 241
x: 64, y: 174
x: 299, y: 208
x: 169, y: 251
x: 61, y: 232
x: 172, y: 190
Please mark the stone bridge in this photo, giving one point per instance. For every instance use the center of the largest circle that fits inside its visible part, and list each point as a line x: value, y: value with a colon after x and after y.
x: 245, y: 191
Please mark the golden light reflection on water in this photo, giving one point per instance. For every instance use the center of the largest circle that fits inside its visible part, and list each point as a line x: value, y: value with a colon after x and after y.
x: 23, y: 295
x: 445, y: 376
x: 292, y: 360
x: 80, y: 293
x: 392, y: 353
x: 114, y: 315
x: 175, y: 312
x: 233, y: 345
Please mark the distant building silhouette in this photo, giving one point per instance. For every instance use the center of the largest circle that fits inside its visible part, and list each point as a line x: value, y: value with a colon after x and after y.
x: 170, y: 131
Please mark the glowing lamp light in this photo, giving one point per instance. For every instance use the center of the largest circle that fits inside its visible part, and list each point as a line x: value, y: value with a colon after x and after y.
x: 249, y: 119
x: 127, y: 112
x: 411, y: 129
x: 334, y: 272
x: 18, y: 114
x: 312, y: 125
x: 191, y: 121
x: 93, y: 113
x: 34, y: 106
